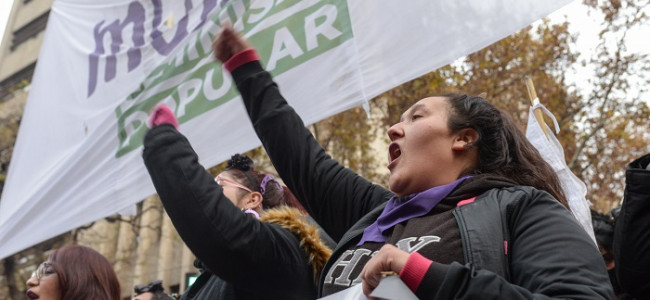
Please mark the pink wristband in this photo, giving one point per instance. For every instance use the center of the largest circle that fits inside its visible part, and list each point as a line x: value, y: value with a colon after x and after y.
x: 241, y: 58
x: 414, y: 270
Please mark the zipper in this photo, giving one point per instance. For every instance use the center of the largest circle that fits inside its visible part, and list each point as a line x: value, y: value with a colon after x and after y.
x: 506, y: 243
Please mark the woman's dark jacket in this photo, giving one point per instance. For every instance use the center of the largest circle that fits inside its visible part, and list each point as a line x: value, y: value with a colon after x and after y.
x: 632, y: 231
x: 548, y: 256
x: 257, y: 260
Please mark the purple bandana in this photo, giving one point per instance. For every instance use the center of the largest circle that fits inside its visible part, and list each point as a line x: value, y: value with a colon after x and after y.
x: 397, y: 212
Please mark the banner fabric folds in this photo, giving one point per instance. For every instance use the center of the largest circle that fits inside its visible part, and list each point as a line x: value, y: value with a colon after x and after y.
x: 105, y: 64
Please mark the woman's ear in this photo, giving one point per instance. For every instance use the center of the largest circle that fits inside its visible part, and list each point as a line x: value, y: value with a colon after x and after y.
x: 465, y: 139
x: 254, y: 201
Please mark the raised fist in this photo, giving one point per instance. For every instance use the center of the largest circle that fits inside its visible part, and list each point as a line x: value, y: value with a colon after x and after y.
x: 228, y: 43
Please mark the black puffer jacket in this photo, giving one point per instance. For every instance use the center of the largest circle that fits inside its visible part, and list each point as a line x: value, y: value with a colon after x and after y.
x: 210, y: 286
x: 256, y: 259
x: 549, y: 255
x: 632, y: 231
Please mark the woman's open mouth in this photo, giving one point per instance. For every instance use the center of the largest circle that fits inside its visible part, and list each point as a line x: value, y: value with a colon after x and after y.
x: 394, y: 152
x: 31, y: 295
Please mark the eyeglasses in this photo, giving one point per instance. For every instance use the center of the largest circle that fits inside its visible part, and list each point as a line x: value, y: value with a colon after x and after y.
x: 224, y: 181
x: 44, y: 269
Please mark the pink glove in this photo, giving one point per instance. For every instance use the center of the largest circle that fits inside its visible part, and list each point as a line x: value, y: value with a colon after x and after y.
x: 162, y: 114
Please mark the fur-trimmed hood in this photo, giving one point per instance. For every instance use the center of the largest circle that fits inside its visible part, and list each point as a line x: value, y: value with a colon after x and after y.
x: 293, y: 220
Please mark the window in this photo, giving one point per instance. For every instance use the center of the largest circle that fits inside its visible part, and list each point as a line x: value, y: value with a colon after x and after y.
x: 30, y: 30
x: 16, y: 81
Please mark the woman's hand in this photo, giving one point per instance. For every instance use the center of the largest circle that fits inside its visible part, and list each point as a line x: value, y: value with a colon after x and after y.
x: 228, y: 43
x: 389, y: 258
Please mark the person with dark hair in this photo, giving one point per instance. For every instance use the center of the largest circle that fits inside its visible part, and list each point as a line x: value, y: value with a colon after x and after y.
x: 473, y: 211
x: 242, y: 226
x: 74, y: 272
x: 603, y: 225
x: 151, y: 291
x: 632, y: 231
x: 240, y: 174
x: 604, y: 232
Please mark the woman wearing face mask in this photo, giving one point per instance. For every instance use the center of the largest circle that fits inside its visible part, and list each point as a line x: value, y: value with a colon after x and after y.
x: 74, y: 272
x: 240, y: 225
x: 473, y: 211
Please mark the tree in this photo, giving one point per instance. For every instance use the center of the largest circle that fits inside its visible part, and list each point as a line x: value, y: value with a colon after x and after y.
x: 601, y: 129
x: 603, y: 126
x: 614, y: 118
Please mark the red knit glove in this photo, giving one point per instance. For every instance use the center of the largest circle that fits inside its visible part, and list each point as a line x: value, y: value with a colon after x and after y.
x: 162, y: 114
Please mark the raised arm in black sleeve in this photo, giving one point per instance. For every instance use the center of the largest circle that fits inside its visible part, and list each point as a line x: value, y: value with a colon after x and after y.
x: 334, y: 195
x: 235, y: 246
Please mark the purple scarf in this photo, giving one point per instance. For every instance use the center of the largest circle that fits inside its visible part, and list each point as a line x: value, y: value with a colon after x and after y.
x: 397, y: 212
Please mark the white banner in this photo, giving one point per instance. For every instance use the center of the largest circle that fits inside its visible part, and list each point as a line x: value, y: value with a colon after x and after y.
x: 105, y: 63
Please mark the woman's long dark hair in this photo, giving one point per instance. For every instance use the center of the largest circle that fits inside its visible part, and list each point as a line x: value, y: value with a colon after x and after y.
x: 84, y: 274
x: 503, y: 148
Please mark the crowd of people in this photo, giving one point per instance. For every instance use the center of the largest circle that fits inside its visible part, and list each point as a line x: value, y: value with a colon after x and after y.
x: 472, y: 211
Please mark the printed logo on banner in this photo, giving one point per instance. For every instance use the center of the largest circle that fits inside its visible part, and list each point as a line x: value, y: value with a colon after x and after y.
x: 285, y: 34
